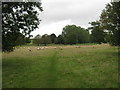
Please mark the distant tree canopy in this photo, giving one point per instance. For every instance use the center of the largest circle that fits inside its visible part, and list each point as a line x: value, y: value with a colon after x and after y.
x: 38, y: 36
x: 53, y: 37
x: 36, y: 39
x: 48, y: 39
x: 110, y: 21
x: 45, y: 39
x: 18, y: 18
x: 59, y: 40
x: 97, y: 33
x: 73, y: 34
x: 42, y: 40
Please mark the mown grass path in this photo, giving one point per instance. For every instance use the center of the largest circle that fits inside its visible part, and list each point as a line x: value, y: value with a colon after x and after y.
x: 52, y: 71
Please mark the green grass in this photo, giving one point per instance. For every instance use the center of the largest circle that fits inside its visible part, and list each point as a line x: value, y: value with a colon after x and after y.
x: 85, y: 67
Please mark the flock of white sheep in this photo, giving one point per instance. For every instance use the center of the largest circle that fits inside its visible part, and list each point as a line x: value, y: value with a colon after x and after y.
x: 42, y: 48
x: 45, y: 47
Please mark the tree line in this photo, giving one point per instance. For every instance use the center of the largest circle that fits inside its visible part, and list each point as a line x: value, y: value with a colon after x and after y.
x: 73, y: 34
x: 19, y: 19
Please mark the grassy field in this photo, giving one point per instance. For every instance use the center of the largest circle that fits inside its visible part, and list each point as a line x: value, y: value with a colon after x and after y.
x: 90, y: 66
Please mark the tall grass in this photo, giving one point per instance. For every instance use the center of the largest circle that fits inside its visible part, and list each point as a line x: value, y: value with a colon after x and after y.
x: 92, y: 66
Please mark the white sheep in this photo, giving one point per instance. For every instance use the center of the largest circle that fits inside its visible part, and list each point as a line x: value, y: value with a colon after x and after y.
x: 46, y: 47
x: 29, y: 49
x: 61, y: 48
x: 55, y: 47
x: 38, y: 48
x: 42, y: 48
x: 78, y: 47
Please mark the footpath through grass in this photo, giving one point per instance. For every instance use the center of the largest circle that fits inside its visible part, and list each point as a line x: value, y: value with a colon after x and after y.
x: 69, y: 67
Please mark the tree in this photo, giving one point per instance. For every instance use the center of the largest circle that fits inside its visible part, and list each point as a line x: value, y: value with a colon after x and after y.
x: 73, y: 34
x: 97, y: 33
x: 53, y: 37
x: 110, y: 21
x: 45, y: 39
x: 21, y: 40
x: 70, y: 34
x: 83, y: 36
x: 59, y: 40
x: 18, y: 17
x: 36, y: 39
x: 38, y: 36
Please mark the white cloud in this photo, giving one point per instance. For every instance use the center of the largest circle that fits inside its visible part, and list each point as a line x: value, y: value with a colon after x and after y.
x: 58, y: 13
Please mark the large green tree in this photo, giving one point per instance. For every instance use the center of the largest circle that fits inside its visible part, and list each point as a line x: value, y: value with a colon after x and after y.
x: 73, y: 34
x: 97, y: 32
x: 70, y: 34
x: 110, y: 21
x: 21, y: 40
x: 18, y: 18
x: 83, y: 36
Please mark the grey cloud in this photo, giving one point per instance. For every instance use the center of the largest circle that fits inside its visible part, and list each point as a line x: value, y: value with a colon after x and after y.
x: 58, y: 13
x: 76, y: 10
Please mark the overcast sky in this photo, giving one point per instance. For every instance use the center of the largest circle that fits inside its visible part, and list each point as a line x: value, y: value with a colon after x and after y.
x: 59, y: 13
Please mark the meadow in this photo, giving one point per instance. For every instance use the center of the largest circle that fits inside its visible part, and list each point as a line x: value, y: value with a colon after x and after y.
x: 87, y: 66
